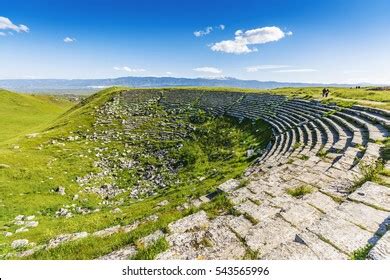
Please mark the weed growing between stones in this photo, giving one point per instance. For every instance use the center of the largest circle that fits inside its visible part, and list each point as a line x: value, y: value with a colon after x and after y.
x: 361, y: 254
x: 300, y: 191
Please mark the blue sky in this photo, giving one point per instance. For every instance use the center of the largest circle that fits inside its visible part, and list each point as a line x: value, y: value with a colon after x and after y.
x: 303, y: 41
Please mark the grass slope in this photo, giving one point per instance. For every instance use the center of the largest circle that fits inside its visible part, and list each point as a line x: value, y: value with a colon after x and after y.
x: 21, y: 114
x: 40, y: 165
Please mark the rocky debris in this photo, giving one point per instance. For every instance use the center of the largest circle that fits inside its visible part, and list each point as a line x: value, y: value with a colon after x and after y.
x: 63, y: 238
x: 31, y: 224
x: 64, y: 212
x: 106, y: 191
x: 250, y: 153
x: 150, y: 239
x: 122, y: 254
x: 19, y: 243
x: 19, y: 218
x: 381, y: 250
x: 22, y: 229
x: 130, y: 227
x: 60, y: 190
x: 116, y: 211
x: 30, y: 251
x: 4, y: 166
x: 75, y: 197
x: 152, y: 218
x: 7, y: 233
x: 32, y: 135
x: 107, y: 231
x: 163, y: 203
x: 373, y: 194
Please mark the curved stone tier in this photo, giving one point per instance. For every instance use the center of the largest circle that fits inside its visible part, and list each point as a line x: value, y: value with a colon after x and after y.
x: 303, y: 196
x: 324, y: 148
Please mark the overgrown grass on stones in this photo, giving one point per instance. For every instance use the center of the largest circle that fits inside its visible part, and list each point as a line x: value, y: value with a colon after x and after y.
x: 300, y: 191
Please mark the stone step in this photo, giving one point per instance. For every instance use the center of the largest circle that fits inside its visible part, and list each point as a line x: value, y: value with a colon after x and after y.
x: 381, y: 250
x: 372, y: 194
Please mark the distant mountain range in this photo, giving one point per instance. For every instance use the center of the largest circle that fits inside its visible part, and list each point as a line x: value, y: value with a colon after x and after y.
x: 90, y: 85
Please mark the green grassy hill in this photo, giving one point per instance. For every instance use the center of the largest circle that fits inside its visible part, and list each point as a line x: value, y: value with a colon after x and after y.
x: 176, y: 156
x: 21, y: 114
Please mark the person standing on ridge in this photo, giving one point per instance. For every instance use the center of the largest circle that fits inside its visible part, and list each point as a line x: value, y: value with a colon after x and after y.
x: 324, y: 92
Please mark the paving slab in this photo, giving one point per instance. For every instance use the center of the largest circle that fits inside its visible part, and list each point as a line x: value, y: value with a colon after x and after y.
x: 267, y: 235
x: 342, y: 234
x: 381, y: 250
x: 291, y: 251
x: 302, y: 215
x: 374, y: 220
x: 321, y: 201
x: 373, y: 194
x: 322, y: 249
x: 192, y: 222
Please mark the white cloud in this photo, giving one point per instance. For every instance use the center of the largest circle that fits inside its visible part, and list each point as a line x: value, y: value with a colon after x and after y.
x: 168, y: 73
x: 207, y: 69
x: 306, y: 70
x: 256, y: 68
x: 128, y: 69
x: 204, y: 32
x: 208, y: 30
x: 6, y: 24
x: 243, y: 39
x: 69, y: 40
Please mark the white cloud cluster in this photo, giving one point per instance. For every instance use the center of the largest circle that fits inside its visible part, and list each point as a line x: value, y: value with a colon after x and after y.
x: 69, y: 40
x: 208, y: 69
x: 243, y: 39
x: 204, y: 32
x: 256, y: 68
x: 304, y: 70
x: 208, y: 30
x: 128, y: 69
x: 279, y: 69
x: 6, y: 24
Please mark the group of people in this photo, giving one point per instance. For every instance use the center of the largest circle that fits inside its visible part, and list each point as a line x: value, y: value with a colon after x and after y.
x: 325, y: 92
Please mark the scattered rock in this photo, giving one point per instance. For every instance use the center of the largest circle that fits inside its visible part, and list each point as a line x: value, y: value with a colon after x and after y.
x: 55, y: 242
x: 150, y: 239
x: 163, y: 203
x: 63, y: 212
x: 4, y: 166
x: 31, y: 224
x: 19, y: 243
x: 107, y: 231
x: 116, y: 210
x: 60, y: 190
x: 22, y: 229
